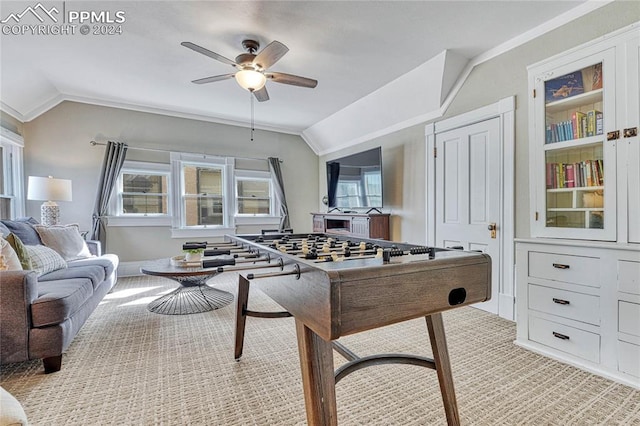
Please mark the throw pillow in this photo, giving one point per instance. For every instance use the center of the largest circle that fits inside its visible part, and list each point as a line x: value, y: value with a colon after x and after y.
x: 45, y: 260
x: 8, y: 258
x: 23, y: 228
x: 21, y: 251
x: 64, y: 239
x: 11, y: 412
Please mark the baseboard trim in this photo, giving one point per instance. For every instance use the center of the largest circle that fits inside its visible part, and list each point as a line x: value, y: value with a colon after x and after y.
x: 579, y: 363
x: 129, y: 269
x: 506, y: 306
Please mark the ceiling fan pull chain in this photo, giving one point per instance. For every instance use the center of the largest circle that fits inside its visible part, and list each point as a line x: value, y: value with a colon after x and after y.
x: 252, y: 120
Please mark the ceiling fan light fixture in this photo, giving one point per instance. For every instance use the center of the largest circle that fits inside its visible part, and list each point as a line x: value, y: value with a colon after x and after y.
x: 251, y: 80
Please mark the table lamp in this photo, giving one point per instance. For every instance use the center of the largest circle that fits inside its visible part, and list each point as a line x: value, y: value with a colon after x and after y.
x: 49, y: 190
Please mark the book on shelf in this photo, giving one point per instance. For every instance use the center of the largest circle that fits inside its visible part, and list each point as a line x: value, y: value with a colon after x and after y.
x: 576, y: 128
x: 597, y: 77
x: 569, y: 176
x: 577, y: 119
x: 594, y: 123
x: 574, y: 175
x: 563, y: 87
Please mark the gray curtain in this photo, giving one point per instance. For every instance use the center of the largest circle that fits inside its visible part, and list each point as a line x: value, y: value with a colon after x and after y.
x: 114, y: 155
x: 276, y: 173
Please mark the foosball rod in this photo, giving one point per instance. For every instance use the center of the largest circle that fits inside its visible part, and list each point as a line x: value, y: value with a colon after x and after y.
x: 277, y: 264
x: 295, y: 271
x: 191, y: 245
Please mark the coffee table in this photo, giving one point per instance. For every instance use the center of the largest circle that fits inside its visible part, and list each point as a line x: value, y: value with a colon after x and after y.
x: 193, y: 295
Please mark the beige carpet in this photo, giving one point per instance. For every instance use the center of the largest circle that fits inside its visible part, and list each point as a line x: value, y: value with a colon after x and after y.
x: 131, y: 367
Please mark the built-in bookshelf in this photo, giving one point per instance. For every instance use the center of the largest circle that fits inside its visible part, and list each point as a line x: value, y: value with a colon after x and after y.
x: 574, y: 110
x: 577, y: 287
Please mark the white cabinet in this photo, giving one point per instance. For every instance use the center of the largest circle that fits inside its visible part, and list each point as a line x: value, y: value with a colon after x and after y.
x: 578, y: 278
x: 579, y: 302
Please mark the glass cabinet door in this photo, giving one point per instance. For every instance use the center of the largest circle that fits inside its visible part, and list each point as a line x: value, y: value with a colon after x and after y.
x: 575, y: 106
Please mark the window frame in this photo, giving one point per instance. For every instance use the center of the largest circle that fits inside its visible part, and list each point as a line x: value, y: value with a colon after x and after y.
x: 254, y: 175
x: 179, y: 229
x: 13, y: 172
x: 118, y: 218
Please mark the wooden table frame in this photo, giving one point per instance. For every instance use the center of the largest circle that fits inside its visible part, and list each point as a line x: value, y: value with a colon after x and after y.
x: 316, y: 362
x: 329, y: 300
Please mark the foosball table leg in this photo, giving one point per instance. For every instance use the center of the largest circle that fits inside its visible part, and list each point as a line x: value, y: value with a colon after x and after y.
x: 443, y: 367
x: 241, y: 315
x: 318, y: 381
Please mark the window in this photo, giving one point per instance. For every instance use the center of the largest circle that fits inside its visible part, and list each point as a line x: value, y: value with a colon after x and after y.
x: 204, y: 195
x: 203, y: 204
x: 142, y: 195
x: 199, y: 196
x: 254, y: 196
x: 11, y: 175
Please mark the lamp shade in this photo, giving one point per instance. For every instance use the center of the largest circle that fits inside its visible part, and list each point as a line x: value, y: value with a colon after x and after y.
x: 251, y: 80
x: 48, y: 189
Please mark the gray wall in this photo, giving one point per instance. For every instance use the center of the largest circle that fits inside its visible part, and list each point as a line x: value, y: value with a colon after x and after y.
x: 403, y: 174
x: 498, y: 78
x: 57, y: 144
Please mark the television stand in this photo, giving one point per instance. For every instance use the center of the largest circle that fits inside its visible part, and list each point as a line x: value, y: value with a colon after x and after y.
x: 364, y: 225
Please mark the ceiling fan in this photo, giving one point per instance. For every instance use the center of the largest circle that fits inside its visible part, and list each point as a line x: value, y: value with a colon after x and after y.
x: 252, y: 71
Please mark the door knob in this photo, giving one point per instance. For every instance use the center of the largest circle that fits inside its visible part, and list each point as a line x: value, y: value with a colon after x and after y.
x: 492, y: 227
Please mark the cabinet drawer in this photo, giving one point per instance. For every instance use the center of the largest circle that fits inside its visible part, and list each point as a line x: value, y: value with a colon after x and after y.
x: 567, y: 339
x: 566, y: 304
x: 629, y: 358
x: 629, y: 276
x: 629, y: 318
x: 561, y: 267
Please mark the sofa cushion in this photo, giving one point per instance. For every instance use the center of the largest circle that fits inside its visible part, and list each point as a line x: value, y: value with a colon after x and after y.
x: 108, y: 261
x: 95, y: 273
x: 45, y: 260
x: 21, y: 251
x: 9, y: 260
x: 64, y: 239
x: 24, y: 229
x: 59, y: 300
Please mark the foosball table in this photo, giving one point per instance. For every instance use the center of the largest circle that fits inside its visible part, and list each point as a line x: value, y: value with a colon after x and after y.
x: 336, y: 286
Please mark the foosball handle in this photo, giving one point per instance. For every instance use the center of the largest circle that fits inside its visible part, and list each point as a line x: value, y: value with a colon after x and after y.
x: 216, y: 252
x: 215, y: 263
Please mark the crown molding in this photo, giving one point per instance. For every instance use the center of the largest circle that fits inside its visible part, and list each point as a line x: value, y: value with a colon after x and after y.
x: 12, y: 112
x: 58, y: 99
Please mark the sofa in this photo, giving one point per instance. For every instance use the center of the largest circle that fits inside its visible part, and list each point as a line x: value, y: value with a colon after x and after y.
x: 46, y: 299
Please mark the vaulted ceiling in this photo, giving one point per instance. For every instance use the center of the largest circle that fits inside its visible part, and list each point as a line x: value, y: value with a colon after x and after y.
x: 362, y: 53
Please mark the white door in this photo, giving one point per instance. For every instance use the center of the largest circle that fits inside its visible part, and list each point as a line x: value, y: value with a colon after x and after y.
x: 468, y: 192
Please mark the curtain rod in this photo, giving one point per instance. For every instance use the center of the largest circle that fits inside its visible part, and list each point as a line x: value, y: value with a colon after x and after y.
x: 94, y: 143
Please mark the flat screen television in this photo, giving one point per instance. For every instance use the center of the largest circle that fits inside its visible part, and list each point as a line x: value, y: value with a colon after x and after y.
x: 355, y: 181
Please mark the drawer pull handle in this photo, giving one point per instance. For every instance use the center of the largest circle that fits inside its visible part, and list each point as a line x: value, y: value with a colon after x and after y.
x: 561, y: 266
x: 560, y: 336
x: 561, y: 302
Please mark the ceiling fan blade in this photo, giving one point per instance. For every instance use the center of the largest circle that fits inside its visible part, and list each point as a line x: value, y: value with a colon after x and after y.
x: 213, y: 78
x: 295, y: 80
x: 261, y: 95
x: 208, y: 53
x: 270, y: 54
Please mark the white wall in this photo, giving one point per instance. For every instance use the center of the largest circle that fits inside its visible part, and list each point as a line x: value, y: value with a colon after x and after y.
x: 403, y: 176
x: 57, y: 144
